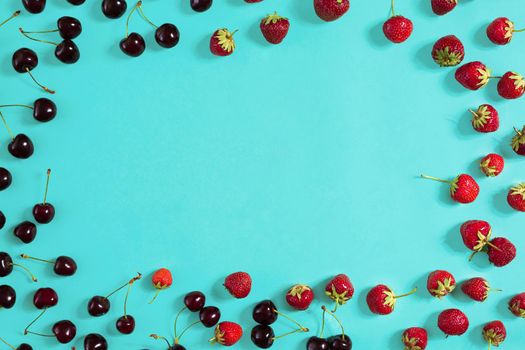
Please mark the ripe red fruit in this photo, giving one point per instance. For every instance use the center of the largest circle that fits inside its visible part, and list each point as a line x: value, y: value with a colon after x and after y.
x: 448, y: 51
x: 500, y: 31
x: 274, y: 28
x: 453, y: 322
x: 477, y: 289
x: 517, y: 305
x: 442, y: 7
x: 300, y: 296
x: 501, y: 251
x: 463, y: 189
x: 516, y: 197
x: 161, y: 279
x: 492, y: 164
x: 239, y: 284
x: 330, y: 10
x: 440, y: 283
x: 511, y: 86
x: 381, y: 299
x: 475, y: 234
x: 340, y: 289
x: 397, y: 28
x: 473, y: 75
x: 222, y: 43
x: 415, y: 338
x: 227, y: 333
x: 485, y: 119
x: 518, y: 141
x: 494, y: 333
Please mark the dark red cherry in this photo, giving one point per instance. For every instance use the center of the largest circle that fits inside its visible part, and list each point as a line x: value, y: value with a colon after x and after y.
x: 209, y: 316
x: 34, y: 6
x: 25, y: 231
x: 316, y: 343
x: 340, y: 342
x: 24, y: 60
x: 5, y: 179
x: 98, y: 306
x: 195, y: 301
x: 177, y: 347
x: 45, y: 298
x: 44, y: 110
x: 134, y: 45
x: 263, y: 336
x: 67, y: 52
x: 167, y: 35
x: 64, y: 331
x: 69, y: 27
x: 126, y: 324
x: 21, y: 147
x: 2, y: 220
x: 200, y: 5
x: 264, y: 312
x: 6, y: 264
x: 76, y: 2
x: 24, y: 346
x: 114, y: 8
x: 44, y: 213
x: 7, y: 296
x: 65, y: 266
x: 94, y: 341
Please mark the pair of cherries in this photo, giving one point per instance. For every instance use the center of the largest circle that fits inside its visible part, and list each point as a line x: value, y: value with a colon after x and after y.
x: 37, y: 6
x: 116, y: 8
x: 62, y: 266
x: 337, y: 342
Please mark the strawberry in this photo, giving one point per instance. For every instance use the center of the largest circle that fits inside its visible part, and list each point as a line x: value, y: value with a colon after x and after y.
x: 448, y: 51
x: 475, y: 235
x: 463, y: 189
x: 222, y: 43
x: 397, y: 29
x: 161, y: 279
x: 492, y: 164
x: 516, y: 197
x: 415, y: 338
x: 274, y: 28
x: 500, y: 31
x: 227, y: 333
x: 511, y: 86
x: 494, y: 333
x: 330, y: 10
x: 453, y: 322
x: 440, y: 283
x: 340, y: 289
x: 473, y: 75
x: 442, y: 7
x: 485, y: 119
x: 518, y: 141
x: 300, y: 296
x: 239, y: 284
x: 477, y: 288
x: 517, y: 305
x: 381, y: 299
x: 501, y: 251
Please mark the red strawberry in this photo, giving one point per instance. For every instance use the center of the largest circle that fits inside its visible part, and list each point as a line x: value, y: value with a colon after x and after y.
x: 473, y: 75
x: 415, y: 338
x: 477, y: 288
x: 494, y: 333
x: 485, y: 119
x: 492, y: 164
x: 517, y: 305
x: 330, y: 10
x: 511, y: 86
x: 239, y: 284
x: 300, y: 296
x: 440, y: 283
x: 500, y: 31
x: 475, y: 234
x: 463, y: 189
x: 222, y: 43
x: 448, y: 51
x: 381, y: 299
x: 397, y: 29
x: 442, y: 7
x: 516, y: 197
x: 274, y: 28
x: 453, y: 322
x: 501, y: 251
x: 518, y: 141
x: 340, y: 289
x: 227, y: 333
x: 161, y: 279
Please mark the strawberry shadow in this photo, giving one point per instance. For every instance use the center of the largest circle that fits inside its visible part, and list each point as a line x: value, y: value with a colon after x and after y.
x: 203, y: 48
x: 453, y: 87
x: 476, y: 337
x: 254, y: 33
x: 395, y: 341
x: 505, y: 148
x: 464, y: 127
x: 453, y: 240
x: 376, y: 35
x: 481, y: 39
x: 431, y: 326
x: 362, y: 304
x: 424, y: 58
x: 503, y: 306
x: 500, y: 202
x: 425, y: 8
x: 421, y: 283
x: 304, y: 11
x: 490, y: 92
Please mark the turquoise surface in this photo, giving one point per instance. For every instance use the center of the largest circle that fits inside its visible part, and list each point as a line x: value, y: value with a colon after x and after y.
x: 292, y: 162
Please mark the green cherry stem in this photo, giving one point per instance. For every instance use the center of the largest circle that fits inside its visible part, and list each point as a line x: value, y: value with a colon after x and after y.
x: 7, y: 126
x: 47, y: 185
x: 176, y: 320
x: 301, y: 328
x: 136, y: 278
x: 45, y: 88
x: 322, y: 324
x: 25, y: 106
x: 287, y: 334
x: 141, y: 13
x: 177, y: 339
x: 26, y: 330
x: 42, y: 31
x: 26, y: 34
x: 337, y: 319
x: 15, y: 14
x: 129, y: 16
x: 6, y: 343
x: 25, y: 256
x: 33, y: 278
x: 434, y: 178
x: 157, y: 337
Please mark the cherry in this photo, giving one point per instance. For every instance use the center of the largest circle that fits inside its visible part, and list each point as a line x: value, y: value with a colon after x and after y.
x: 125, y: 324
x: 64, y: 331
x: 44, y: 110
x: 69, y: 27
x: 34, y: 6
x: 76, y: 2
x: 263, y: 336
x: 167, y: 35
x: 195, y: 301
x: 94, y: 341
x: 133, y: 45
x: 200, y: 5
x: 99, y: 305
x: 15, y: 14
x: 24, y: 61
x: 5, y: 179
x: 21, y: 147
x: 7, y: 296
x: 317, y: 343
x: 6, y: 266
x: 45, y: 298
x: 22, y: 346
x: 114, y: 8
x: 63, y: 265
x: 25, y: 231
x: 67, y: 52
x: 209, y: 316
x: 44, y: 212
x: 2, y: 220
x: 340, y: 342
x: 265, y: 312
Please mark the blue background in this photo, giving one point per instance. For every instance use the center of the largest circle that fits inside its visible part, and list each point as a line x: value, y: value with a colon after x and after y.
x: 293, y: 162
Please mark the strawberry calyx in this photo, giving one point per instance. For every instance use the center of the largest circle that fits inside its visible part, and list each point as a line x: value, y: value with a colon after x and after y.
x: 518, y: 139
x: 493, y: 337
x: 509, y: 29
x: 390, y: 297
x: 339, y: 298
x: 518, y: 190
x: 446, y: 58
x: 517, y: 310
x: 444, y: 287
x: 484, y: 76
x: 410, y: 343
x: 519, y: 82
x: 298, y: 290
x: 487, y: 168
x: 219, y: 336
x: 273, y: 18
x: 225, y: 39
x: 480, y: 117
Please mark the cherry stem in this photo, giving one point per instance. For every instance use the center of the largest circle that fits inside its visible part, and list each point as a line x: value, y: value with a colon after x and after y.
x: 392, y: 8
x: 141, y: 13
x: 322, y: 325
x: 287, y: 334
x: 42, y: 31
x: 25, y: 106
x: 157, y: 337
x: 155, y: 296
x: 40, y: 334
x: 129, y: 17
x: 47, y: 185
x: 6, y: 343
x: 15, y: 14
x: 185, y: 330
x: 136, y: 278
x: 337, y: 319
x: 175, y: 322
x: 26, y: 330
x: 7, y: 126
x: 25, y: 256
x: 24, y: 33
x: 434, y: 178
x: 33, y: 278
x: 45, y: 88
x: 406, y: 294
x: 292, y: 320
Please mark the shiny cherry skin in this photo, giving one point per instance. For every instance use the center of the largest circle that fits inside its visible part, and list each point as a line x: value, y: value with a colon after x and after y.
x: 125, y: 324
x: 98, y: 306
x: 44, y: 213
x: 65, y: 266
x: 94, y: 341
x: 44, y: 110
x: 24, y: 60
x: 263, y: 336
x: 316, y: 343
x: 5, y: 178
x: 200, y: 5
x: 7, y: 296
x: 134, y: 45
x: 64, y: 331
x: 25, y: 231
x: 34, y: 6
x: 67, y: 52
x: 69, y: 27
x: 340, y: 342
x: 21, y: 147
x: 114, y: 8
x: 24, y: 346
x: 76, y: 2
x: 2, y: 220
x: 177, y: 347
x: 6, y: 264
x: 264, y: 312
x: 167, y: 35
x: 209, y: 316
x: 45, y: 298
x: 195, y: 301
